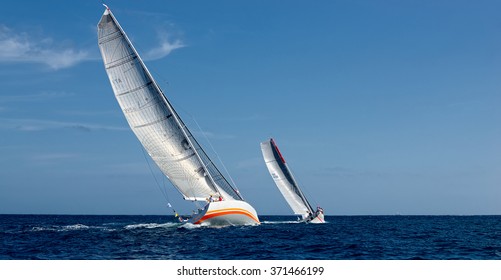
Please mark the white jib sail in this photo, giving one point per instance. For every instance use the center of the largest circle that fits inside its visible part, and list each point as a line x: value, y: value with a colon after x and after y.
x: 284, y: 180
x: 153, y: 120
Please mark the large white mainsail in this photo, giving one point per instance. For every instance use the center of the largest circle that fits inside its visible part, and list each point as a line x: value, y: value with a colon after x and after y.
x: 286, y: 183
x: 155, y: 122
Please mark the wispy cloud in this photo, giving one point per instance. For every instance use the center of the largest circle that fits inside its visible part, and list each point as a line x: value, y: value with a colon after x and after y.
x: 50, y: 159
x: 21, y: 47
x: 52, y: 156
x: 36, y: 97
x: 249, y: 118
x: 347, y: 172
x: 250, y: 163
x: 211, y: 135
x: 31, y: 125
x: 91, y: 113
x: 167, y: 45
x: 167, y: 34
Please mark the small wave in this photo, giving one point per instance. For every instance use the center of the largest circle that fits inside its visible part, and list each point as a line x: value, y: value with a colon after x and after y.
x: 112, y: 224
x: 190, y: 226
x: 498, y: 253
x: 42, y: 229
x: 281, y: 222
x: 151, y: 226
x: 61, y: 228
x: 75, y: 227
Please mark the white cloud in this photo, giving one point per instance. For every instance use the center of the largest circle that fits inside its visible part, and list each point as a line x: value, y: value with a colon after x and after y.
x: 52, y: 156
x: 26, y: 48
x: 30, y: 125
x: 35, y: 97
x: 166, y: 47
x: 23, y: 47
x: 211, y: 135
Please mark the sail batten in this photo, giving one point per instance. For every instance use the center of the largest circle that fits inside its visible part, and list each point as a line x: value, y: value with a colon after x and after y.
x: 154, y: 121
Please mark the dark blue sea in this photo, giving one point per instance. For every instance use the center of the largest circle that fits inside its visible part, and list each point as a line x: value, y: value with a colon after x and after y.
x: 81, y: 237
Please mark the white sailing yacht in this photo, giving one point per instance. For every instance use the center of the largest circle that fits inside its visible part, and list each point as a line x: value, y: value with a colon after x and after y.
x: 164, y: 135
x: 287, y: 184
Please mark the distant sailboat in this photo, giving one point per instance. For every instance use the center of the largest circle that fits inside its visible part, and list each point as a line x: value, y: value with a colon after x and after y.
x: 287, y: 184
x: 164, y: 135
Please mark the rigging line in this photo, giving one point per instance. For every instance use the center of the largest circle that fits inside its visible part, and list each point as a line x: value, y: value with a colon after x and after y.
x: 300, y: 192
x: 196, y: 202
x: 210, y: 162
x: 217, y: 155
x: 162, y: 190
x: 305, y: 190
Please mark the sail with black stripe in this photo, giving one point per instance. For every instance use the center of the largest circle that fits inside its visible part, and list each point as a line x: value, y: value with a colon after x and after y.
x: 284, y: 179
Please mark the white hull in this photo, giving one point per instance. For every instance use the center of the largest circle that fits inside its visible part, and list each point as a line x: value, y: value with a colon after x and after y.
x: 226, y: 213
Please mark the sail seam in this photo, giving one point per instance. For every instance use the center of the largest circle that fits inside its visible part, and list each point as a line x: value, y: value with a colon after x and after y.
x: 135, y: 89
x: 175, y: 160
x: 105, y: 39
x: 120, y: 63
x: 153, y: 122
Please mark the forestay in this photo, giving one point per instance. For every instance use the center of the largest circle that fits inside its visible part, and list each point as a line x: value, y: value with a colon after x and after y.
x: 154, y: 121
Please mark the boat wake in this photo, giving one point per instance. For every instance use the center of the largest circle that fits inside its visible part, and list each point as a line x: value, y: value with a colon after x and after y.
x: 281, y: 222
x: 81, y: 227
x: 151, y: 226
x: 62, y: 228
x: 190, y: 226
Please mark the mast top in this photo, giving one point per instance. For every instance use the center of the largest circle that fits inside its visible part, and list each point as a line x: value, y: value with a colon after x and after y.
x: 107, y: 9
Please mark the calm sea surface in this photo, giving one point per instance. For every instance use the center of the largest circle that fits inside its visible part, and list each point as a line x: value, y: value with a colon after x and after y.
x: 58, y: 237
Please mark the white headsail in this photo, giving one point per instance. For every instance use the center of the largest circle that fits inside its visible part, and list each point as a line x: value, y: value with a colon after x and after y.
x: 154, y: 121
x: 284, y: 180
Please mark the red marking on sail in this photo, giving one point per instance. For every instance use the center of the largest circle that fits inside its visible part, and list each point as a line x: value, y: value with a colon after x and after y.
x: 278, y: 151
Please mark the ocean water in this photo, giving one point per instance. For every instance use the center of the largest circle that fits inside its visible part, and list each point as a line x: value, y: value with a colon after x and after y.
x: 81, y: 237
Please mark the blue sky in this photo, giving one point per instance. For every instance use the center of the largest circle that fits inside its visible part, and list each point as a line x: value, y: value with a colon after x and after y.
x: 379, y: 107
